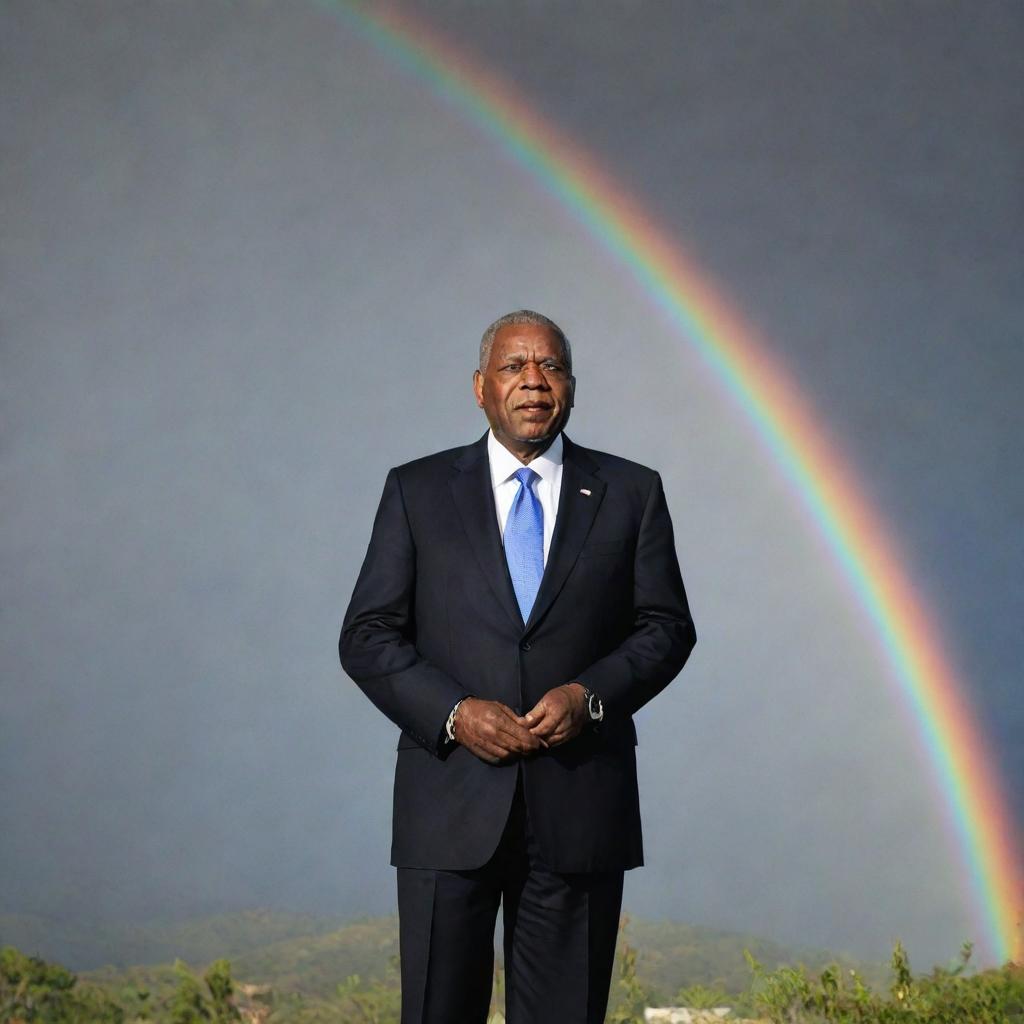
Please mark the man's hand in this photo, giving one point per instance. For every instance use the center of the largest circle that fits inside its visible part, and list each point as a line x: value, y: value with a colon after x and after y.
x: 493, y: 731
x: 559, y: 715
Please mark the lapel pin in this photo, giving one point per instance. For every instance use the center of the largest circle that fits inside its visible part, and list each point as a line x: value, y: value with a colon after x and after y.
x: 583, y: 490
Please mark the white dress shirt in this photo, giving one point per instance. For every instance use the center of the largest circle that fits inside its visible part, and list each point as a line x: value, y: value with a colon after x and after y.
x: 504, y: 466
x: 547, y: 466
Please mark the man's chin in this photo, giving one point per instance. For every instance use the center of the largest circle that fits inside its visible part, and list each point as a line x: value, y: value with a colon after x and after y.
x: 545, y: 437
x: 539, y: 433
x: 532, y: 435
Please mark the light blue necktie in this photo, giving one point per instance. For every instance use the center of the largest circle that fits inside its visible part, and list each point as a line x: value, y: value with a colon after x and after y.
x: 524, y: 541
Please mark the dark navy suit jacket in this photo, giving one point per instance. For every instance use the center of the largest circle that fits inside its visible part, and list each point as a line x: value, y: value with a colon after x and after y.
x: 434, y: 618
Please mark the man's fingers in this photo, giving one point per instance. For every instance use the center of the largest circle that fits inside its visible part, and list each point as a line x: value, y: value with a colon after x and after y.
x: 487, y: 749
x: 489, y: 754
x: 550, y: 715
x: 537, y: 713
x: 524, y: 742
x: 562, y: 716
x: 492, y: 728
x: 485, y: 755
x: 511, y: 730
x: 545, y: 718
x: 545, y: 728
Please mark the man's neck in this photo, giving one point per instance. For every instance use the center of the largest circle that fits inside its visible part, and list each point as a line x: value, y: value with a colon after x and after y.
x: 527, y: 451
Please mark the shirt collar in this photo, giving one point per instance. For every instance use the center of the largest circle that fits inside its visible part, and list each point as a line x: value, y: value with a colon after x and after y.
x: 504, y: 463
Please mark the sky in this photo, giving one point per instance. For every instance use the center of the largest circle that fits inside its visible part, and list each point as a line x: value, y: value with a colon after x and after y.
x: 245, y: 262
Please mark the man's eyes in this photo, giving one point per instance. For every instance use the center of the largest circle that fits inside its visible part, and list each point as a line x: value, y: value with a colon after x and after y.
x: 550, y: 366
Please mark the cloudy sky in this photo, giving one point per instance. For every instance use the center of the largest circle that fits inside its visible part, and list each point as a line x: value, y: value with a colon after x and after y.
x: 245, y: 261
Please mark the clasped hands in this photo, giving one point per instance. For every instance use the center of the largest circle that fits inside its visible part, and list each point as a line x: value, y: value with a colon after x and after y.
x: 496, y: 734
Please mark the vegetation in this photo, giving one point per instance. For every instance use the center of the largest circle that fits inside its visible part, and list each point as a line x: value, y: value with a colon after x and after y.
x: 673, y: 957
x: 628, y: 997
x: 946, y: 996
x: 310, y: 981
x: 33, y: 990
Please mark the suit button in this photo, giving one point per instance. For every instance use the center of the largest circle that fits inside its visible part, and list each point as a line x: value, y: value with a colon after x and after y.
x: 525, y: 645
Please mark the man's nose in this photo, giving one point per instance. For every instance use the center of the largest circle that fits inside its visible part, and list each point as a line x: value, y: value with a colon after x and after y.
x: 532, y: 376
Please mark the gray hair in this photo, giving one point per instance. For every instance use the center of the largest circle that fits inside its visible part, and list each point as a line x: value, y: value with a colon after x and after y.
x: 522, y: 316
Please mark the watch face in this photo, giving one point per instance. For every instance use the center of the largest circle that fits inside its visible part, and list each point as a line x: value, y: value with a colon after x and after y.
x: 595, y: 708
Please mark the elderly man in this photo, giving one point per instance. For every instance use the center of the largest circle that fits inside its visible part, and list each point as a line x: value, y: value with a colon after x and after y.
x: 520, y: 599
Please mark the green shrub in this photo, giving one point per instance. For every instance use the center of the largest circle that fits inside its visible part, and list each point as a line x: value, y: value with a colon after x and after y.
x: 32, y: 990
x: 791, y: 995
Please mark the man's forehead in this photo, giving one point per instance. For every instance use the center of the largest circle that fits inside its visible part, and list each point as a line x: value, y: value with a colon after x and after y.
x: 514, y: 337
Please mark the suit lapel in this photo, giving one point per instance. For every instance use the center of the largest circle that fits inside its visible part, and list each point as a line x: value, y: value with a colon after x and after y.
x: 474, y: 498
x: 578, y: 502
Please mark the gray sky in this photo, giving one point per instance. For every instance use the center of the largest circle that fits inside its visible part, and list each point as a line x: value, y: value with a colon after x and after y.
x: 244, y: 265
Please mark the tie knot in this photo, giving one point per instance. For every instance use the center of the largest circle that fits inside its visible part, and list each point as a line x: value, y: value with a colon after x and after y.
x: 526, y: 476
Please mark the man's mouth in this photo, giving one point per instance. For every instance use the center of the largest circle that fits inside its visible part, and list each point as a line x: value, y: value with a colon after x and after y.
x: 533, y: 406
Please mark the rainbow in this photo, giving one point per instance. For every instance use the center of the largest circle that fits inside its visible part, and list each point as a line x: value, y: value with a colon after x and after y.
x: 975, y: 809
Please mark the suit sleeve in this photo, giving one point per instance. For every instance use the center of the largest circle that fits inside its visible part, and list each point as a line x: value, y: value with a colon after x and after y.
x: 376, y: 646
x: 662, y: 633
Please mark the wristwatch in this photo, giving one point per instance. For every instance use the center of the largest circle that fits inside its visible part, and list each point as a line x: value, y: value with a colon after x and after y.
x: 594, y: 706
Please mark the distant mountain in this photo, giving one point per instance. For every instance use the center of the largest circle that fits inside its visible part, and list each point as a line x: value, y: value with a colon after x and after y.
x: 195, y: 940
x: 314, y: 965
x: 301, y: 971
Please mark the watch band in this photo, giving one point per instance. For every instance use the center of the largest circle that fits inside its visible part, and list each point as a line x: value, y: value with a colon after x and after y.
x: 595, y: 706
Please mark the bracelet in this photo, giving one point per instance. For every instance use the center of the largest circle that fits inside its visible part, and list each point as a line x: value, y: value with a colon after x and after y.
x: 449, y: 727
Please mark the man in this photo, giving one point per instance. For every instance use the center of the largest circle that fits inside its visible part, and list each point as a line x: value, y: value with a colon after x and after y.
x: 519, y: 600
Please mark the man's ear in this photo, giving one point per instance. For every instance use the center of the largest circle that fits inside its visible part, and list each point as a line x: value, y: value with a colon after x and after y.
x: 572, y: 392
x: 478, y: 387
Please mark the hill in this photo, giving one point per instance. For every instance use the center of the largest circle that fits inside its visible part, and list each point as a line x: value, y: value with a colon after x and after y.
x: 197, y: 940
x: 313, y: 965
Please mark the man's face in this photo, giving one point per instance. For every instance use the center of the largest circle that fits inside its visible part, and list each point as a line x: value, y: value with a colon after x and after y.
x: 526, y: 391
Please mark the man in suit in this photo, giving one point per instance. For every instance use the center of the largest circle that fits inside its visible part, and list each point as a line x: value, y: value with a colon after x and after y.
x: 520, y: 599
